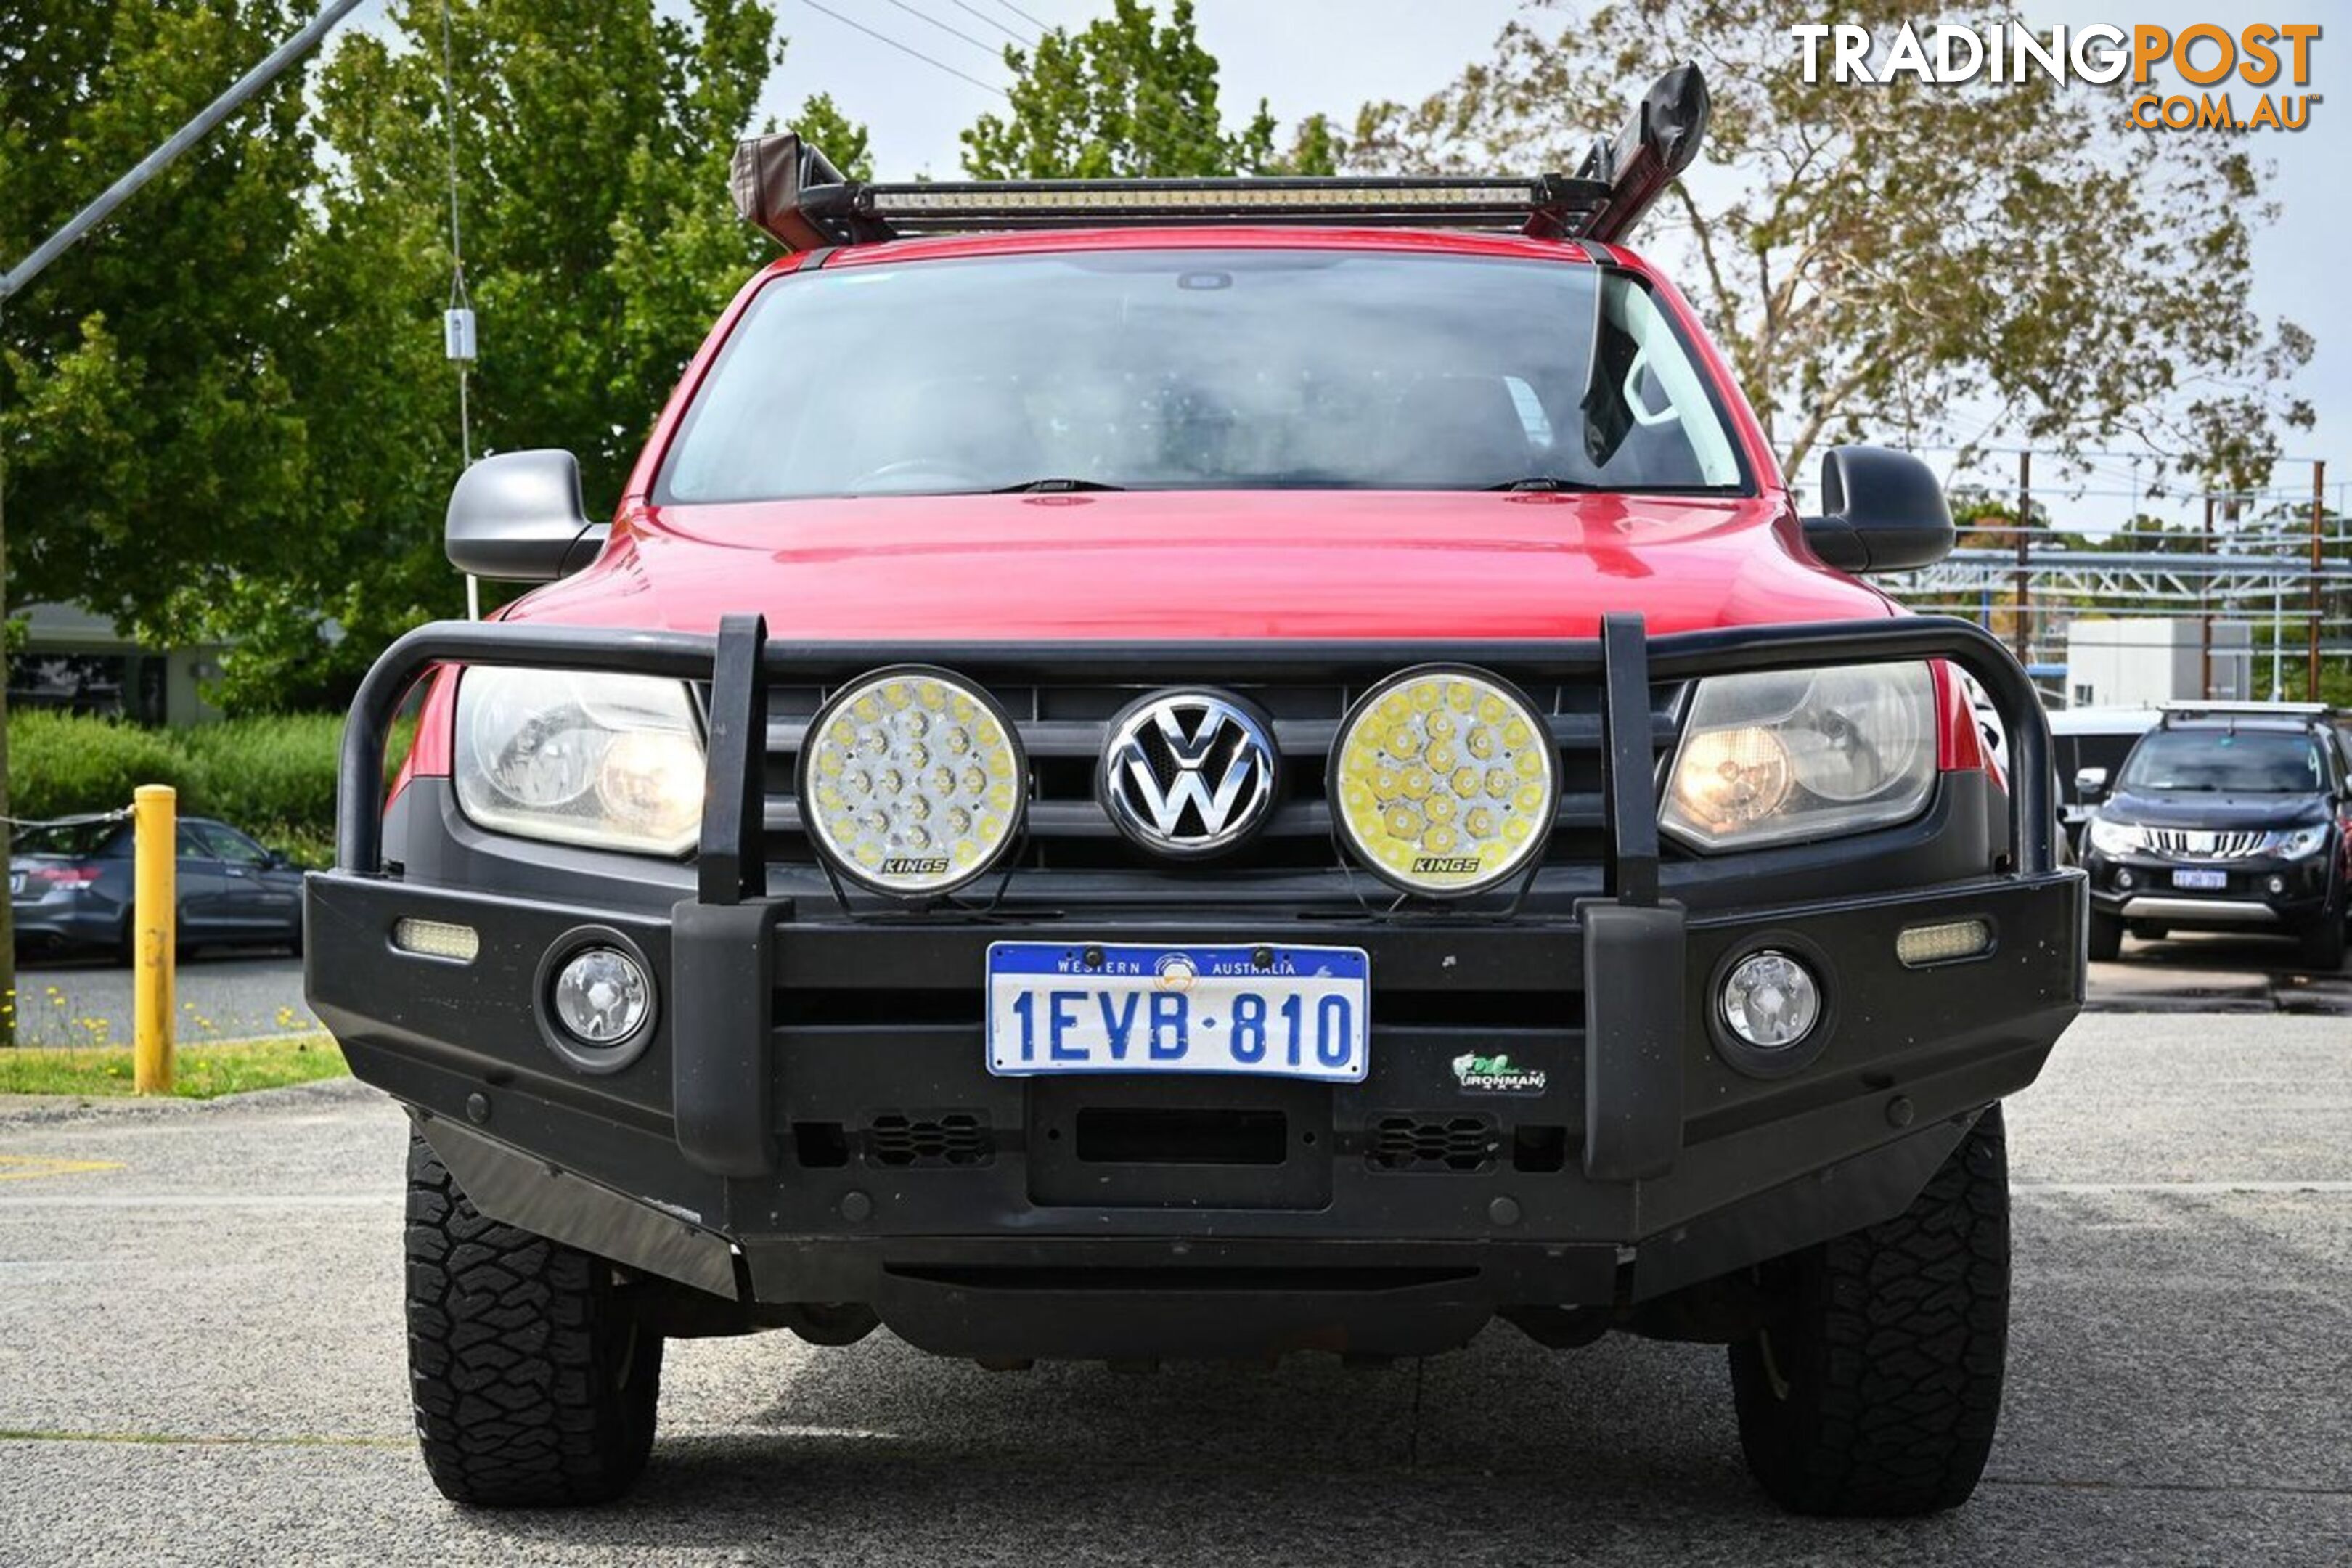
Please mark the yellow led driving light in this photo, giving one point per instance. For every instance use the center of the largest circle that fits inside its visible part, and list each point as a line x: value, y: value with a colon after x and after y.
x: 437, y: 938
x: 1444, y: 780
x: 1918, y: 946
x: 912, y: 781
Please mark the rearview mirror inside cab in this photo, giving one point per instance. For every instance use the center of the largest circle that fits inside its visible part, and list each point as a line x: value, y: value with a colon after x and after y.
x: 1883, y: 512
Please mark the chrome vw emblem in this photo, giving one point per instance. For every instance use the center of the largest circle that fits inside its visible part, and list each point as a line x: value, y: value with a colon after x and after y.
x: 1189, y: 773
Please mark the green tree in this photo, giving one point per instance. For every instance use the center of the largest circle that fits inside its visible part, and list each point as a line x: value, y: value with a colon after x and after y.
x: 155, y: 443
x: 822, y: 126
x: 599, y: 243
x: 1129, y: 99
x: 1889, y: 259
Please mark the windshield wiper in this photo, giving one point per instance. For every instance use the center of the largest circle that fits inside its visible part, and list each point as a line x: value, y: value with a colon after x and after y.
x: 1052, y: 487
x: 1548, y: 482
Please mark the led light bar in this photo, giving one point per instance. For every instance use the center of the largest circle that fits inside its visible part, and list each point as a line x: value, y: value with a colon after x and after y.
x: 1919, y: 946
x: 437, y: 938
x: 793, y: 192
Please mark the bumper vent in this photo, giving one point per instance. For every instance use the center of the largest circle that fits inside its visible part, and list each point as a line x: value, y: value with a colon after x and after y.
x: 2199, y: 844
x: 952, y: 1139
x: 1432, y: 1142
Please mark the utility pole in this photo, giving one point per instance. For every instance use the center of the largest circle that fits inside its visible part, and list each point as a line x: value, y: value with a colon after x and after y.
x: 2023, y: 632
x: 16, y: 278
x: 2319, y: 507
x: 2205, y: 613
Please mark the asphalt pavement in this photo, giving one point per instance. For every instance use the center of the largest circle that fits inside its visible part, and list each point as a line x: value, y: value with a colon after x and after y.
x: 221, y: 998
x: 200, y: 1361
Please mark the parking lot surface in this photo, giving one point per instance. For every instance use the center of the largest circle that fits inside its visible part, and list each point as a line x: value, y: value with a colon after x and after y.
x: 200, y: 1361
x: 221, y: 998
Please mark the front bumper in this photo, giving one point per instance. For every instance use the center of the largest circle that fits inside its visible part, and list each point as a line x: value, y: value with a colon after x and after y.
x: 2256, y: 891
x: 811, y: 1120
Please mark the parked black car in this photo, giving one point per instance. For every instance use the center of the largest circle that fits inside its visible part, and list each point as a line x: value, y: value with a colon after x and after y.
x: 70, y: 886
x: 2227, y: 817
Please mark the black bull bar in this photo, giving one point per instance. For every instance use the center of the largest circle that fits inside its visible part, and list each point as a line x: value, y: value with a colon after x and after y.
x: 1634, y: 1089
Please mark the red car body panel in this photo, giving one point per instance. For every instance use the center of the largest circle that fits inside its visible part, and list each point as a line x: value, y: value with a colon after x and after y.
x: 1213, y: 563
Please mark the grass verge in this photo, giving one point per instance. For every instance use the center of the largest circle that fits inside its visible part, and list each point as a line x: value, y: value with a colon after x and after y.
x: 200, y: 1072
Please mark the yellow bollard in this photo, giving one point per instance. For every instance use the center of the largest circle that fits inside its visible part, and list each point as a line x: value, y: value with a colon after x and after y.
x: 155, y: 828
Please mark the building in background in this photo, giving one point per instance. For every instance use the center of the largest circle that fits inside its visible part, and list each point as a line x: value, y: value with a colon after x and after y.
x: 2139, y: 663
x: 79, y: 662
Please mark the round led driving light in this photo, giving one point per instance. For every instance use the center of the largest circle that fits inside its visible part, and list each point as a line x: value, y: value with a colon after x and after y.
x: 912, y: 781
x: 1444, y: 780
x: 602, y: 996
x: 1771, y: 1000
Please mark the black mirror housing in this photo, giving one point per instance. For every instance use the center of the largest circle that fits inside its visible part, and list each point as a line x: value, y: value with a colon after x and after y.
x: 517, y: 517
x: 1883, y: 511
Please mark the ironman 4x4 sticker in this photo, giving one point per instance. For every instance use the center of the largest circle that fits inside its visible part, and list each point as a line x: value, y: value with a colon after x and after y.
x: 1497, y: 1075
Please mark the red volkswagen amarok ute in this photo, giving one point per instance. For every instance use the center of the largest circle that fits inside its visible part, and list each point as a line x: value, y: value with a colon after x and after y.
x: 1204, y: 768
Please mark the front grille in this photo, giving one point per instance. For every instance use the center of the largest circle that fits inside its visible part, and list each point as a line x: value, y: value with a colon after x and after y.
x: 2198, y: 844
x: 955, y: 1138
x: 1063, y: 729
x: 1431, y: 1141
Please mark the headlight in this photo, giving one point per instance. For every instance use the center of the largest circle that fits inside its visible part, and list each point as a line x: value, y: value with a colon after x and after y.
x: 2117, y: 837
x: 2294, y: 842
x: 1445, y: 781
x: 911, y: 781
x: 612, y: 761
x: 1768, y: 758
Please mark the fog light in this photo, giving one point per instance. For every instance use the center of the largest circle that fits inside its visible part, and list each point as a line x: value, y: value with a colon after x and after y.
x: 1942, y: 943
x: 437, y: 938
x: 1771, y: 1000
x: 2277, y: 884
x: 602, y: 995
x: 2125, y: 880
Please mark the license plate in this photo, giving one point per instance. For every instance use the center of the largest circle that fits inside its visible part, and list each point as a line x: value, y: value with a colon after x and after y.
x: 1079, y: 1007
x: 2210, y: 882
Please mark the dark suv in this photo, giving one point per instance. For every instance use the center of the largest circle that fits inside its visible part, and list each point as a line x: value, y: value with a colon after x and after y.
x: 2227, y: 816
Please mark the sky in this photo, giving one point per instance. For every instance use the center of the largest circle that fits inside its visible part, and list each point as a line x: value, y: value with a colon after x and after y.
x: 1305, y: 55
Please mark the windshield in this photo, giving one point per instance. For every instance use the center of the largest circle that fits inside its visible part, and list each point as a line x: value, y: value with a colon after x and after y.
x: 2248, y: 763
x: 1200, y: 370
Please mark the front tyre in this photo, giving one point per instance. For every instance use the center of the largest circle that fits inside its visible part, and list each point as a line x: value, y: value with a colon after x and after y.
x: 2323, y: 943
x: 534, y: 1385
x: 1876, y: 1388
x: 2106, y: 938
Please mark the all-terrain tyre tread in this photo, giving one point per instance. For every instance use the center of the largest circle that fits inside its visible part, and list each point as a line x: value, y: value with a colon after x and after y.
x: 516, y: 1348
x: 1879, y: 1393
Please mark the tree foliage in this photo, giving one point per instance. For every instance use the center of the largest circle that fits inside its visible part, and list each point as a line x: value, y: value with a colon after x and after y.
x: 1129, y: 97
x: 230, y: 414
x: 155, y: 440
x: 1908, y: 260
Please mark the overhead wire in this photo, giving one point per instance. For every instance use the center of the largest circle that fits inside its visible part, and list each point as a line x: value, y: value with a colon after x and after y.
x: 983, y: 45
x: 1024, y: 16
x: 904, y: 49
x: 1013, y: 34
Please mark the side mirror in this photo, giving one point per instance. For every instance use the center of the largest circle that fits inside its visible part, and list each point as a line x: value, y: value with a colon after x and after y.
x: 1885, y: 512
x: 2091, y: 783
x: 517, y: 517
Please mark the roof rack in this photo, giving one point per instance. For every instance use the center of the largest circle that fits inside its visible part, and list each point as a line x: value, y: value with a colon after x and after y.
x: 793, y: 191
x: 2172, y: 710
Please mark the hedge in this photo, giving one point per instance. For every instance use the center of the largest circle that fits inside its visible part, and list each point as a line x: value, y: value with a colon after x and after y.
x: 272, y: 775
